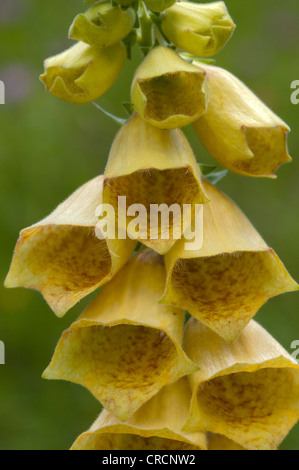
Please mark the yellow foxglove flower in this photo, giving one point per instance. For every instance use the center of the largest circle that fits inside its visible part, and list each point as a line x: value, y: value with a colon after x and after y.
x: 218, y: 442
x: 159, y: 5
x: 103, y: 25
x: 155, y: 426
x: 61, y: 256
x: 238, y: 130
x: 201, y: 29
x: 225, y: 283
x: 167, y: 91
x: 83, y: 73
x: 152, y: 167
x: 126, y: 346
x: 247, y: 392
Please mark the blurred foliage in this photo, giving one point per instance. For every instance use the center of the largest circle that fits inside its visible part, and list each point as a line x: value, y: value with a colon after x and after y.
x: 49, y: 147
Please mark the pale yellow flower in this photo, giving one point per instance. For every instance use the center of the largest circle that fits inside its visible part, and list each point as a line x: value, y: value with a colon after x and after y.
x: 61, y: 256
x: 200, y: 29
x: 167, y: 91
x: 150, y: 166
x: 156, y: 426
x: 240, y: 131
x: 225, y: 283
x: 83, y: 73
x: 247, y: 391
x: 126, y: 346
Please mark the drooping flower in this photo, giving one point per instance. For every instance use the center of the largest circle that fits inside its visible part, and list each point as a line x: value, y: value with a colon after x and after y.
x: 240, y: 131
x: 224, y: 283
x: 156, y: 426
x: 247, y: 391
x: 151, y: 168
x: 126, y: 346
x: 62, y: 257
x: 167, y: 91
x: 200, y: 29
x: 103, y: 24
x: 83, y: 73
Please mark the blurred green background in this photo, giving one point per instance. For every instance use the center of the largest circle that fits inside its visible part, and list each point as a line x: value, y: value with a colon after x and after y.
x: 49, y: 147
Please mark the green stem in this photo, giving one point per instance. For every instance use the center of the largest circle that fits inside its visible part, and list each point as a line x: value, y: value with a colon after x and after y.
x: 145, y: 33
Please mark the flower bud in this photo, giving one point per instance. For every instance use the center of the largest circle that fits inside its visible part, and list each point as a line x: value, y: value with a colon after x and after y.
x: 154, y: 427
x: 61, y: 256
x: 238, y: 130
x: 247, y: 391
x: 159, y: 5
x: 152, y: 169
x: 201, y: 29
x: 227, y: 281
x: 167, y: 91
x: 103, y: 25
x: 129, y: 345
x: 83, y: 73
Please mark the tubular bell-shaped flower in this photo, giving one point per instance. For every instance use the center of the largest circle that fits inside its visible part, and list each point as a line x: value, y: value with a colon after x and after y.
x: 167, y: 91
x: 240, y: 131
x: 155, y: 426
x: 126, y: 346
x: 83, y: 73
x: 103, y: 24
x: 159, y: 5
x: 61, y: 256
x: 248, y: 391
x: 152, y: 168
x: 224, y: 283
x: 200, y: 29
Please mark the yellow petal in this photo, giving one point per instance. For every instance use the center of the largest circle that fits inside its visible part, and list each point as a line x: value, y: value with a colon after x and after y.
x: 201, y: 29
x: 234, y: 273
x: 150, y: 166
x: 238, y: 130
x: 61, y: 256
x: 247, y: 392
x: 83, y: 73
x: 126, y: 346
x: 167, y: 91
x: 154, y: 427
x: 103, y: 25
